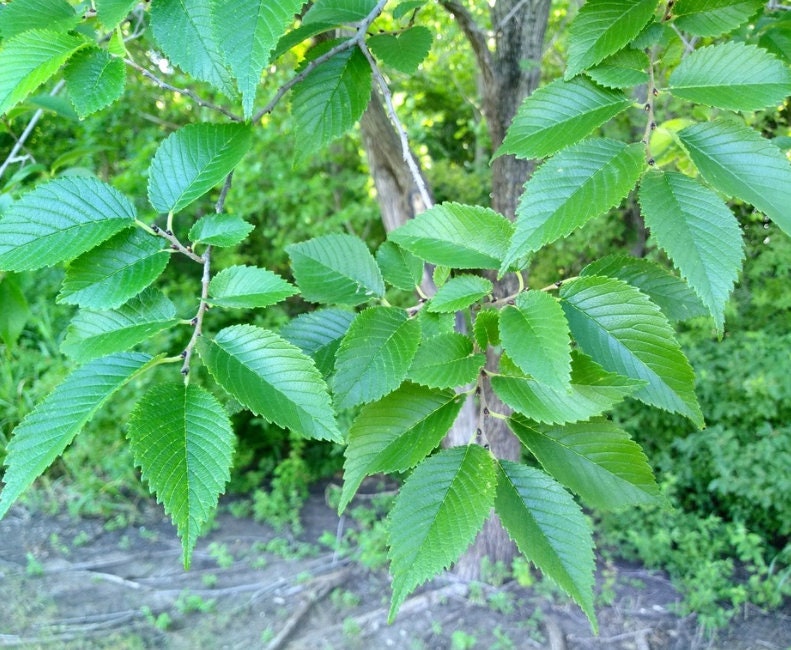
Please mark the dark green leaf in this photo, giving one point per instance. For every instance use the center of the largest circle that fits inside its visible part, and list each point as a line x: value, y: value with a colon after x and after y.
x: 15, y: 311
x: 713, y: 17
x: 24, y: 15
x: 446, y: 361
x: 486, y: 328
x: 318, y: 334
x: 338, y: 12
x: 400, y: 268
x: 623, y: 69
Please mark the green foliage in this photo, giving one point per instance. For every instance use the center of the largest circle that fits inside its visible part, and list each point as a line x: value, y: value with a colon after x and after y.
x: 94, y: 79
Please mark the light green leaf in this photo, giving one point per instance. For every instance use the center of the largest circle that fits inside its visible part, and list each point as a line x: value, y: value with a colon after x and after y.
x: 59, y: 220
x: 549, y: 529
x: 731, y: 75
x: 299, y: 35
x: 94, y: 80
x: 446, y: 361
x: 626, y: 333
x: 220, y: 230
x: 247, y: 287
x: 112, y: 12
x: 459, y: 293
x: 318, y: 334
x: 374, y: 356
x: 338, y: 12
x: 570, y: 189
x: 192, y: 160
x: 184, y: 31
x: 24, y: 15
x: 94, y: 334
x: 271, y: 377
x: 455, y: 235
x: 623, y: 69
x: 713, y: 17
x: 46, y: 431
x: 486, y: 328
x: 396, y: 433
x: 399, y: 267
x: 560, y: 114
x: 698, y: 232
x: 739, y: 162
x: 601, y: 28
x: 592, y: 391
x: 777, y: 38
x: 336, y: 269
x: 29, y: 59
x: 673, y: 296
x: 330, y: 100
x: 182, y: 440
x: 595, y: 459
x: 432, y: 325
x: 535, y: 336
x: 15, y: 312
x: 115, y: 271
x: 404, y: 51
x: 247, y: 31
x: 407, y: 7
x: 437, y: 514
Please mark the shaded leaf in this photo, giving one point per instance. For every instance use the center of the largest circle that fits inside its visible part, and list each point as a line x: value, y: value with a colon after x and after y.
x: 112, y: 12
x: 623, y: 69
x: 271, y: 377
x: 396, y: 433
x: 15, y: 312
x: 220, y: 230
x: 115, y: 271
x: 486, y: 328
x: 446, y: 361
x: 338, y: 12
x: 437, y: 514
x: 59, y: 220
x: 247, y: 287
x: 318, y: 334
x: 459, y: 293
x: 713, y: 17
x: 374, y: 356
x: 94, y: 80
x: 46, y: 431
x: 24, y: 15
x: 182, y: 440
x: 399, y: 267
x: 404, y: 51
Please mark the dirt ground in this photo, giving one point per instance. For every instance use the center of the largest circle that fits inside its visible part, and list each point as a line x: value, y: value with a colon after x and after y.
x: 72, y: 584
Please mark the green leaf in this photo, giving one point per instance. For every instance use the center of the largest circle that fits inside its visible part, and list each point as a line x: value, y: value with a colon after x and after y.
x: 739, y: 162
x: 673, y: 296
x: 248, y: 31
x: 318, y: 334
x: 248, y: 287
x: 400, y: 268
x: 446, y: 361
x: 192, y: 160
x: 623, y: 69
x: 713, y: 17
x: 396, y: 433
x: 432, y: 325
x: 437, y: 514
x: 459, y: 293
x: 407, y: 7
x: 46, y: 431
x: 374, y: 356
x: 182, y: 440
x: 94, y: 80
x: 486, y: 328
x: 115, y: 271
x: 112, y: 12
x: 184, y: 31
x: 595, y: 459
x: 220, y: 230
x: 404, y: 51
x: 570, y: 189
x: 601, y: 28
x: 94, y: 334
x: 731, y: 75
x: 271, y: 377
x: 299, y: 35
x: 626, y: 333
x: 29, y: 59
x: 59, y: 220
x: 338, y: 12
x: 777, y: 38
x: 455, y: 235
x: 558, y: 115
x: 336, y: 269
x: 535, y: 336
x: 15, y: 312
x: 549, y: 529
x: 25, y: 15
x: 592, y: 391
x: 698, y: 232
x: 330, y: 100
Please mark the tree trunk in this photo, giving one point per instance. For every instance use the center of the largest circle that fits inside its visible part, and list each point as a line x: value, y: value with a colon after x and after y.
x: 507, y: 75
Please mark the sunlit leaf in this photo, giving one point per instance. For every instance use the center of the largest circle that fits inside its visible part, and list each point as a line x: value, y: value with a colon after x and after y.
x: 247, y: 287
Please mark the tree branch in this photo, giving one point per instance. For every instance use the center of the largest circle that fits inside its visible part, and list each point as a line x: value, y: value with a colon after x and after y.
x: 476, y: 36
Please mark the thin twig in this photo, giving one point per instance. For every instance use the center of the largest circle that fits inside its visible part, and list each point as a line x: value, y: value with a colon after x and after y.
x: 197, y: 321
x: 183, y: 91
x: 12, y: 156
x: 650, y: 125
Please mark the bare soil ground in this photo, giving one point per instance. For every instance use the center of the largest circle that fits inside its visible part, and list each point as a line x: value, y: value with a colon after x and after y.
x: 73, y: 584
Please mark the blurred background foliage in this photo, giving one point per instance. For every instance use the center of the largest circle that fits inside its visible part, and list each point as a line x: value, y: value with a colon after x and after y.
x: 725, y: 534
